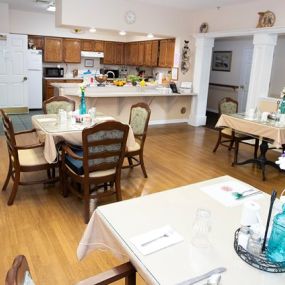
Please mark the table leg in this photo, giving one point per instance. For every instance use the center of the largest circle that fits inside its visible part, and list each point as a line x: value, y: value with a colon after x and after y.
x: 261, y: 160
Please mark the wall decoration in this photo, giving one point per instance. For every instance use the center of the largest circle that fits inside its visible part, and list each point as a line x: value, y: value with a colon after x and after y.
x: 185, y: 60
x: 266, y: 19
x: 204, y: 28
x: 174, y: 73
x: 222, y: 61
x: 89, y: 62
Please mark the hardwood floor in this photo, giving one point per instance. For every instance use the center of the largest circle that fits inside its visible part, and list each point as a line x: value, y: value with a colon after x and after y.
x: 46, y: 227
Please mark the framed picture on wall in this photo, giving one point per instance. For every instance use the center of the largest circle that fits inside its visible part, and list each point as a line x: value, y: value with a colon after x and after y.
x: 89, y: 62
x: 222, y: 61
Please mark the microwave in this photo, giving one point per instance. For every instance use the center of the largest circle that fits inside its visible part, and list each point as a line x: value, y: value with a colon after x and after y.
x: 53, y: 72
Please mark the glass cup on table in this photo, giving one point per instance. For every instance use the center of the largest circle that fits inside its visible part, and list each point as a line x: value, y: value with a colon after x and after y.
x: 201, y: 228
x: 92, y: 113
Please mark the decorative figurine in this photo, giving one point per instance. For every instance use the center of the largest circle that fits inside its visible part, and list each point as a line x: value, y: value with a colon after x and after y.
x: 266, y: 19
x: 185, y: 61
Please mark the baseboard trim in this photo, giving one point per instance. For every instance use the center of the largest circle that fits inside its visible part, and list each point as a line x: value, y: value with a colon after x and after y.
x: 165, y: 122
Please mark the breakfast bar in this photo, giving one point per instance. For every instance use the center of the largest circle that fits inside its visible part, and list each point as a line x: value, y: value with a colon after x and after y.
x: 166, y: 106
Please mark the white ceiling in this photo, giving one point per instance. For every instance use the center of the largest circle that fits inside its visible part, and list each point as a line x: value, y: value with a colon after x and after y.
x: 33, y: 5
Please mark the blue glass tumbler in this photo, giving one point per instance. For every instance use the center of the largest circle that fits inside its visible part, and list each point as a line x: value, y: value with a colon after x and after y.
x: 82, y: 108
x: 276, y: 244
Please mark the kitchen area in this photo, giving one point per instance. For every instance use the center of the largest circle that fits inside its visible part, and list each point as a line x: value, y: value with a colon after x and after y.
x: 132, y: 71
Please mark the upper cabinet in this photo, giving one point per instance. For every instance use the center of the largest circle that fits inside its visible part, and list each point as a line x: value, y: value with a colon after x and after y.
x: 90, y: 45
x: 109, y: 53
x: 53, y: 49
x: 36, y: 42
x: 141, y: 53
x: 72, y: 50
x: 98, y: 46
x: 119, y: 50
x: 166, y: 53
x: 151, y: 53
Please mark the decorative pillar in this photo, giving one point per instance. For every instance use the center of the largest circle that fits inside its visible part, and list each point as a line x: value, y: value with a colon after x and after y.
x: 203, y: 57
x: 260, y: 74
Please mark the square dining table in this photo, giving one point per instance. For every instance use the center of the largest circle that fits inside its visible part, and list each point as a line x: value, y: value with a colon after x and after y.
x: 114, y: 227
x: 51, y: 131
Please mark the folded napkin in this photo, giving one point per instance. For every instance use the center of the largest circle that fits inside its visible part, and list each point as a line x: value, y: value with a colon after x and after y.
x: 156, y: 239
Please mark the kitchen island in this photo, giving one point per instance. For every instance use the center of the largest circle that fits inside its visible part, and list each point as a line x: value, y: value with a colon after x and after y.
x: 116, y: 101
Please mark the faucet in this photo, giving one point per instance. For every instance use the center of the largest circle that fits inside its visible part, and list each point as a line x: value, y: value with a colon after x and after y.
x: 111, y: 72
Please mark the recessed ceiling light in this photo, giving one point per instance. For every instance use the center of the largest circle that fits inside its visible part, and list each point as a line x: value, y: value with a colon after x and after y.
x: 150, y: 35
x: 122, y: 33
x: 92, y: 30
x: 51, y: 7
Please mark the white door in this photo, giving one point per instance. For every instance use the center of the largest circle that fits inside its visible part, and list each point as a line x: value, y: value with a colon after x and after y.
x: 13, y: 72
x: 244, y: 78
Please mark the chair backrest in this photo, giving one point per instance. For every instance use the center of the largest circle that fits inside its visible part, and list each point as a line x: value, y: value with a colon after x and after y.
x: 104, y: 146
x: 228, y: 106
x: 53, y: 104
x: 10, y: 136
x: 19, y: 273
x: 139, y: 118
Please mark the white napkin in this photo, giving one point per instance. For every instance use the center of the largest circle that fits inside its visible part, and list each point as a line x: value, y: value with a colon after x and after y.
x: 223, y: 192
x: 156, y: 239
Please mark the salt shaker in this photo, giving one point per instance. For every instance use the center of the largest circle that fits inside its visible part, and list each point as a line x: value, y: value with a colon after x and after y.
x: 243, y: 236
x: 254, y: 245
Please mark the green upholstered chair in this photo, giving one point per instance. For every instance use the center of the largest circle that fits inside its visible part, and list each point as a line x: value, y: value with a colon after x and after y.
x: 227, y: 137
x: 139, y: 119
x: 97, y: 164
x: 53, y: 104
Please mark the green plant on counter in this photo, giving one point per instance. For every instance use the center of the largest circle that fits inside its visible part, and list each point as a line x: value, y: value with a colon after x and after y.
x: 134, y: 79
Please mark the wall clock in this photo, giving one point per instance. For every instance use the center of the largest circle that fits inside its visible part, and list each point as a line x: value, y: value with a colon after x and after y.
x: 266, y: 19
x: 130, y: 17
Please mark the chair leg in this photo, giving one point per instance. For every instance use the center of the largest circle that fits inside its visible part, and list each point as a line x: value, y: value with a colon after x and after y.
x: 142, y: 164
x: 86, y: 201
x: 130, y: 162
x: 118, y: 189
x: 256, y: 145
x: 236, y: 151
x: 9, y: 173
x: 14, y: 189
x: 231, y: 144
x: 218, y: 142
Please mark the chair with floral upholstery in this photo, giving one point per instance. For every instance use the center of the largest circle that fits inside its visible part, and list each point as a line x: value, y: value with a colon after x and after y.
x: 24, y: 158
x: 53, y: 104
x: 227, y: 137
x: 97, y: 164
x: 139, y: 118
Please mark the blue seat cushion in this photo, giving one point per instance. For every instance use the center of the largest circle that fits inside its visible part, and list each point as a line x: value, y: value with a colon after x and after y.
x: 75, y: 164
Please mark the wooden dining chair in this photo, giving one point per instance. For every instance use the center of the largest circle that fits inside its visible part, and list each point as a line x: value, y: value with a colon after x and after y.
x: 24, y: 158
x: 53, y: 104
x: 139, y: 119
x: 19, y: 274
x: 227, y: 136
x: 98, y: 163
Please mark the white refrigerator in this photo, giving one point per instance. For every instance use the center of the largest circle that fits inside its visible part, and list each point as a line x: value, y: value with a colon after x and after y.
x: 35, y: 81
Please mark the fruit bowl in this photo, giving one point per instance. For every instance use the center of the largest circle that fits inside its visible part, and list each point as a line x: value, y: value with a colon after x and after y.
x: 119, y: 83
x: 101, y: 79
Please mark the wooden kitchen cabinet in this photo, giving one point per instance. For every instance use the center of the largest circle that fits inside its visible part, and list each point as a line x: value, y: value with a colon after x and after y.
x: 109, y: 54
x: 151, y: 53
x: 119, y: 50
x: 37, y: 42
x: 166, y: 53
x: 133, y: 53
x: 72, y: 50
x: 141, y: 55
x: 98, y: 46
x: 53, y: 49
x: 87, y: 45
x: 49, y: 90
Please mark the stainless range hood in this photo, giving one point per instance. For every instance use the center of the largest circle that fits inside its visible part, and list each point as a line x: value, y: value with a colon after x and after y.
x: 92, y: 54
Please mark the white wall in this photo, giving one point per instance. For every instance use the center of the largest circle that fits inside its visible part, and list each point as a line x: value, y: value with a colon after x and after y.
x: 277, y: 82
x: 239, y: 16
x: 4, y: 18
x: 237, y: 46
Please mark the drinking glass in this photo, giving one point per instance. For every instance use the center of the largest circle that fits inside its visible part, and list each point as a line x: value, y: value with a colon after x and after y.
x: 201, y: 228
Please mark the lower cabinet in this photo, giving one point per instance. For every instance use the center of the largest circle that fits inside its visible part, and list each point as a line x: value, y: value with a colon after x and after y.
x: 49, y: 90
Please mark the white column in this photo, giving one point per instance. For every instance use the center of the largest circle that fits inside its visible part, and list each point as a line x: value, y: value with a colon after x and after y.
x: 260, y: 74
x: 203, y: 56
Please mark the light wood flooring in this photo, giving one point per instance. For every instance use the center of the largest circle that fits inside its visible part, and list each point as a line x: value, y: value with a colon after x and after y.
x: 47, y: 227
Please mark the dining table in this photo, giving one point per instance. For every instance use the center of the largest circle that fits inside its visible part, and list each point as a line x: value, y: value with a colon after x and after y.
x: 132, y: 229
x: 51, y: 130
x: 268, y: 131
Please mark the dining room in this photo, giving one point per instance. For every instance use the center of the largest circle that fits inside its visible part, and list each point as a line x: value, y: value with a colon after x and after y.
x: 183, y: 215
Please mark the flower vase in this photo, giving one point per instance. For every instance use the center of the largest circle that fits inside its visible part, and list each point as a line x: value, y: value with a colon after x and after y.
x: 82, y: 108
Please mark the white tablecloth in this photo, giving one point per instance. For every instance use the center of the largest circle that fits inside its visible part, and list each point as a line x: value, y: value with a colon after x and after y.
x: 51, y: 132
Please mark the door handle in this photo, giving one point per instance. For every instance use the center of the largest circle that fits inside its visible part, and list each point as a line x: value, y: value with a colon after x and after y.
x: 25, y: 78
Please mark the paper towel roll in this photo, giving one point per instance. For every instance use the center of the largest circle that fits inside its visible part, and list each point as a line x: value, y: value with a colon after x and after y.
x: 250, y: 213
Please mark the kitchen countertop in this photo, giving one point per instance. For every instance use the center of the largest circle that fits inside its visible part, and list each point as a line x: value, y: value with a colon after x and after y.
x: 73, y: 89
x: 63, y: 78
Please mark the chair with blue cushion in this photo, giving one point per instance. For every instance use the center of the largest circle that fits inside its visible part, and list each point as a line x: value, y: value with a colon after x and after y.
x: 97, y: 164
x: 139, y: 119
x: 55, y: 103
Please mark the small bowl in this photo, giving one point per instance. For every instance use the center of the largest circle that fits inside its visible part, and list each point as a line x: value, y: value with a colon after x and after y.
x: 101, y: 78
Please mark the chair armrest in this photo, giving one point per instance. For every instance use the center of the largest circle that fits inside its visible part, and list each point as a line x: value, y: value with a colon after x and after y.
x: 25, y: 132
x: 67, y: 150
x: 125, y: 270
